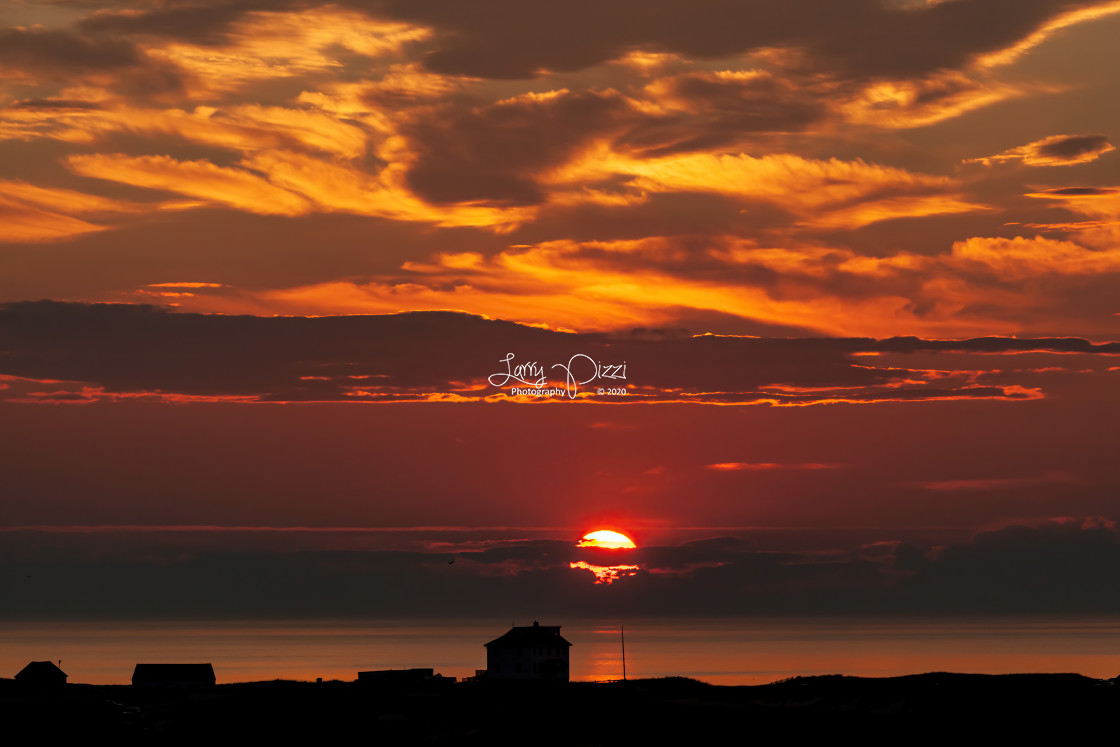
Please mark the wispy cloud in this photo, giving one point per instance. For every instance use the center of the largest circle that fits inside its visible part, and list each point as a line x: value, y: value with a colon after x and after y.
x: 767, y: 466
x: 997, y: 483
x: 1056, y: 150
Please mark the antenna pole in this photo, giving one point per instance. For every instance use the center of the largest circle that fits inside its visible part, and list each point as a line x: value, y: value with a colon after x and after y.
x: 622, y: 631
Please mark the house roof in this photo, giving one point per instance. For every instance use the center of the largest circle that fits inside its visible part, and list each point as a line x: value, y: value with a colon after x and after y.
x: 40, y: 670
x: 173, y: 673
x: 530, y: 635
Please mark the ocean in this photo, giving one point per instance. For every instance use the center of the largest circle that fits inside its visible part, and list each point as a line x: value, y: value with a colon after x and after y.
x: 723, y: 651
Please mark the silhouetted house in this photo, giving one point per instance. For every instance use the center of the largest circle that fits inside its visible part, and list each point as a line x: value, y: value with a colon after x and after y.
x: 536, y: 652
x: 173, y: 675
x: 41, y: 674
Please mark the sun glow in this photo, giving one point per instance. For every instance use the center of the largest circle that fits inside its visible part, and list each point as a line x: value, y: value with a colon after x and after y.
x: 605, y: 574
x: 606, y: 539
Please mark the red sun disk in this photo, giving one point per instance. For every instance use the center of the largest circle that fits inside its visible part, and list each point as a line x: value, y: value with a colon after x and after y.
x: 607, y: 539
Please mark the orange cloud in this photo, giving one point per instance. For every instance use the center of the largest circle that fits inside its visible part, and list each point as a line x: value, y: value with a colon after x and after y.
x: 891, y: 208
x: 68, y: 200
x: 903, y: 104
x: 1011, y: 53
x: 742, y: 101
x: 1056, y: 150
x: 830, y: 193
x: 646, y: 63
x: 22, y: 222
x: 1102, y: 204
x: 34, y: 213
x: 245, y: 128
x: 267, y: 44
x: 1020, y: 258
x: 410, y: 84
x: 611, y: 285
x: 235, y: 188
x: 657, y: 281
x: 278, y: 177
x: 342, y: 187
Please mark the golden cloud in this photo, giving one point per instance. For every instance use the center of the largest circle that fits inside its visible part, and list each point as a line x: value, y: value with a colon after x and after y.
x: 656, y: 281
x: 1013, y: 52
x: 612, y: 285
x: 241, y: 128
x: 1020, y: 258
x: 67, y: 200
x: 903, y: 104
x: 267, y: 44
x: 34, y: 213
x: 340, y: 187
x: 234, y: 188
x: 1056, y: 150
x: 830, y: 194
x: 22, y: 222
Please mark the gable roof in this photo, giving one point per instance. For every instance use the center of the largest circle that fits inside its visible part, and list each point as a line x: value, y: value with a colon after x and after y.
x: 530, y: 635
x: 41, y: 670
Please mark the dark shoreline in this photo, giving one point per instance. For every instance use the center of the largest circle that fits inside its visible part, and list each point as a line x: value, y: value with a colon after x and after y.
x: 656, y: 711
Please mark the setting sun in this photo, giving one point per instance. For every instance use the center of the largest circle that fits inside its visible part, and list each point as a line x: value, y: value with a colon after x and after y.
x: 607, y: 539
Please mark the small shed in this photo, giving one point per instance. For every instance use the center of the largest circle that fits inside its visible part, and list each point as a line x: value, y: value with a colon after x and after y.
x: 41, y: 674
x: 173, y: 675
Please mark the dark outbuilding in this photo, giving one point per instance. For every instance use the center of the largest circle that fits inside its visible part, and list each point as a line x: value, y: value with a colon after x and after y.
x: 41, y: 674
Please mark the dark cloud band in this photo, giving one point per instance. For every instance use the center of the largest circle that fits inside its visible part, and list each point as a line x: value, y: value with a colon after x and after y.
x: 140, y: 350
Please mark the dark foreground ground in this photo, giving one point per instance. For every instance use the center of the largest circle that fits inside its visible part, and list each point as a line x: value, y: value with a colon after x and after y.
x: 909, y: 709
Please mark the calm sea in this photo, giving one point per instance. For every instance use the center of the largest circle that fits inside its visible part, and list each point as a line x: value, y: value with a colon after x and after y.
x: 722, y: 652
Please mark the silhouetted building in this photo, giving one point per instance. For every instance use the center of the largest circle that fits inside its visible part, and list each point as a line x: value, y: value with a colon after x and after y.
x: 173, y: 675
x: 536, y: 652
x: 41, y: 674
x: 414, y: 676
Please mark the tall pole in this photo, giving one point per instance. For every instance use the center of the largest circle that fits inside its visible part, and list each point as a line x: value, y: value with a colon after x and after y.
x: 622, y: 631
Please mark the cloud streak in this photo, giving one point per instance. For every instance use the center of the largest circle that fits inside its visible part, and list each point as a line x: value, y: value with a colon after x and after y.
x: 1056, y: 150
x: 767, y: 466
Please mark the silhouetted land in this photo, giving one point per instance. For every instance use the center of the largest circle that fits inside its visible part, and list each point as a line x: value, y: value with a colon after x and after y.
x: 661, y: 711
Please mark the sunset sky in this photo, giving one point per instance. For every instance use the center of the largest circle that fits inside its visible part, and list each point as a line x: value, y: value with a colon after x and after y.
x: 268, y: 271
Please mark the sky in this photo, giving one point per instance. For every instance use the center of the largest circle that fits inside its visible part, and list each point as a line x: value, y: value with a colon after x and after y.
x: 376, y: 307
